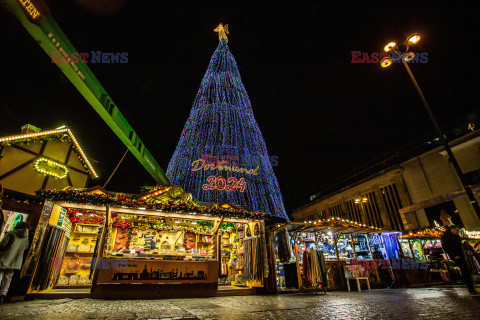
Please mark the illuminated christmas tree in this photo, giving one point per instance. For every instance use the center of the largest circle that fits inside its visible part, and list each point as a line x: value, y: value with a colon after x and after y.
x: 221, y: 156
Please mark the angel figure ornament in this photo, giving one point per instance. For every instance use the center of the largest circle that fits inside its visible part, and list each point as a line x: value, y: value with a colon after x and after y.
x: 222, y: 32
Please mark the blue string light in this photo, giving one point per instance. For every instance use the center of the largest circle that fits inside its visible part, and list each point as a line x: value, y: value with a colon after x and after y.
x: 221, y: 125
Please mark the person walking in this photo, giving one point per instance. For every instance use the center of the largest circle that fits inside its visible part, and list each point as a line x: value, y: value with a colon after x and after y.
x: 452, y: 245
x: 12, y: 247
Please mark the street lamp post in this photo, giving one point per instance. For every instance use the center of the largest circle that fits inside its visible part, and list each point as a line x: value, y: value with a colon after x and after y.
x: 404, y: 58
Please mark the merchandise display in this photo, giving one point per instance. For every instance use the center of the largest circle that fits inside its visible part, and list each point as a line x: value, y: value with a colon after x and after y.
x: 315, y: 270
x: 149, y: 248
x: 75, y: 270
x: 344, y: 247
x: 241, y: 256
x: 322, y: 251
x: 327, y: 244
x: 137, y: 236
x: 283, y: 245
x: 48, y: 267
x: 362, y: 248
x: 150, y: 239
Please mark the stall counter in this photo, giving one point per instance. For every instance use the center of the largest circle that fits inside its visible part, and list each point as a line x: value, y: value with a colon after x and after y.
x: 137, y: 278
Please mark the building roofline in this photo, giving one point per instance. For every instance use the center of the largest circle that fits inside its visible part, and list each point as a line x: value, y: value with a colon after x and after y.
x: 350, y: 186
x: 453, y: 143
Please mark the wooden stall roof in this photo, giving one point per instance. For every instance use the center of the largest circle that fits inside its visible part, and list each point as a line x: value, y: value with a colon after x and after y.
x: 334, y: 225
x: 60, y: 133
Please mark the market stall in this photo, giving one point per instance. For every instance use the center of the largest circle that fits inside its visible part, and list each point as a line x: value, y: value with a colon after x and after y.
x: 160, y: 245
x: 423, y: 248
x: 347, y: 250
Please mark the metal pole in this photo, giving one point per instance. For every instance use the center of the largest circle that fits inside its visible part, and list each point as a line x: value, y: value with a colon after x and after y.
x: 453, y: 160
x: 115, y: 170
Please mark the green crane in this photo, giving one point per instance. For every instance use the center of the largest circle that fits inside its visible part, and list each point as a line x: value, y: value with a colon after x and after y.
x: 36, y: 18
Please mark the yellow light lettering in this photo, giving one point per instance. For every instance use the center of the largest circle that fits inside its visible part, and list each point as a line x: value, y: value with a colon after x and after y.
x: 35, y: 14
x: 197, y: 164
x: 30, y: 8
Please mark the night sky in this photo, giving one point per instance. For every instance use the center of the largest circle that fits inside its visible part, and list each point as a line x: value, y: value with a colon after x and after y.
x: 320, y: 114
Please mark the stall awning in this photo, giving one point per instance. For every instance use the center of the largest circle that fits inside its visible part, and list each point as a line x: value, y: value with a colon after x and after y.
x: 334, y: 225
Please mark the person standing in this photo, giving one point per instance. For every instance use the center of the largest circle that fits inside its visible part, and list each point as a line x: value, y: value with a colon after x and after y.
x: 382, y: 265
x: 452, y: 245
x: 12, y: 247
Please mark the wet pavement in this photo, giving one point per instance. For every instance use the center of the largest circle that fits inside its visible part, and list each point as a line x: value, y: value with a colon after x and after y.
x: 421, y: 303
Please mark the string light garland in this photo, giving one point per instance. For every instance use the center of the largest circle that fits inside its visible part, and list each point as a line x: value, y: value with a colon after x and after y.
x: 120, y: 200
x: 51, y: 168
x: 201, y: 227
x: 222, y: 124
x: 77, y: 216
x: 63, y: 134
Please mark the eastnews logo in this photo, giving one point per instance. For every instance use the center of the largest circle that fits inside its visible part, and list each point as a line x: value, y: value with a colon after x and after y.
x: 90, y: 57
x: 376, y: 57
x: 394, y: 264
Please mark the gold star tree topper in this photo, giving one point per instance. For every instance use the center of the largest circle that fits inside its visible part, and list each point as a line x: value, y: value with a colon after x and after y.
x: 222, y: 32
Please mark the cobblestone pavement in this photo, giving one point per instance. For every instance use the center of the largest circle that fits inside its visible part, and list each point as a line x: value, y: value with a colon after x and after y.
x: 421, y: 303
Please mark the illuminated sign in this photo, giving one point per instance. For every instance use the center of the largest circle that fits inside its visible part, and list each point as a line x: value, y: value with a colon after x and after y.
x: 51, y: 168
x: 200, y: 164
x: 222, y: 184
x: 30, y: 8
x: 472, y: 234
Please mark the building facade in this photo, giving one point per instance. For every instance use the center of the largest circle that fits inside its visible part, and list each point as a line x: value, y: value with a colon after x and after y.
x: 409, y: 194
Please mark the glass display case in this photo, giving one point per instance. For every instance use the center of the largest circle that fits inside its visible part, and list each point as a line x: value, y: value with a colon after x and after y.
x: 377, y: 246
x: 344, y: 247
x: 417, y: 249
x: 326, y: 243
x: 406, y: 250
x: 362, y: 248
x: 79, y: 253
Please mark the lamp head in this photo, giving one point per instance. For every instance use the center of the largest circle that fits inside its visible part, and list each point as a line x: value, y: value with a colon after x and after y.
x: 390, y: 46
x: 413, y: 39
x: 387, y: 61
x: 408, y: 56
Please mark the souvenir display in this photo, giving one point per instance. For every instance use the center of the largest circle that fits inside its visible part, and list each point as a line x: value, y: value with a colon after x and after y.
x: 146, y: 246
x: 80, y: 248
x: 73, y: 280
x: 48, y: 266
x: 284, y: 248
x: 62, y: 281
x: 83, y: 280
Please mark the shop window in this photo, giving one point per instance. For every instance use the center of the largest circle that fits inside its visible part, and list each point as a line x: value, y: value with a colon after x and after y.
x: 417, y: 249
x: 344, y: 245
x: 406, y: 250
x: 377, y: 246
x: 362, y: 248
x: 326, y: 243
x: 392, y: 247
